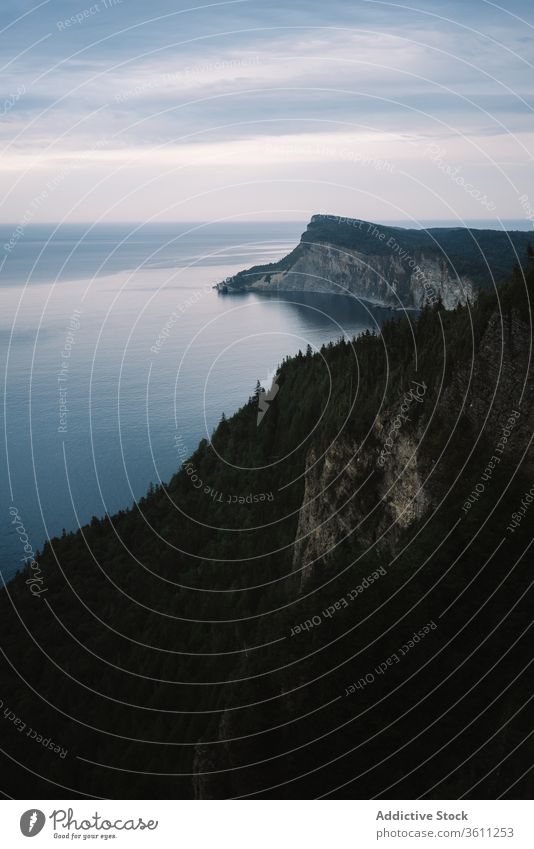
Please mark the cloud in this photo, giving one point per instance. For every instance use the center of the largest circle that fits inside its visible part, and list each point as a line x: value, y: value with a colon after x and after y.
x: 129, y: 85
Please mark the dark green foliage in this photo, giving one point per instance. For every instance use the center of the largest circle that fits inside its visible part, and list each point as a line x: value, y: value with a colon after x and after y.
x: 168, y: 625
x: 483, y: 256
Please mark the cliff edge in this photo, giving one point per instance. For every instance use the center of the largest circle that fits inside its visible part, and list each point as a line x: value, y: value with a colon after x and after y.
x: 389, y: 266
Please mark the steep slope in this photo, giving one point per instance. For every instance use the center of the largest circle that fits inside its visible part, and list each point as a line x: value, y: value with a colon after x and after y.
x: 342, y: 606
x: 393, y: 266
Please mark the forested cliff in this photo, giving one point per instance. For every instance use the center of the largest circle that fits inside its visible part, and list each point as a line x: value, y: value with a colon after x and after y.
x: 394, y: 266
x: 333, y: 598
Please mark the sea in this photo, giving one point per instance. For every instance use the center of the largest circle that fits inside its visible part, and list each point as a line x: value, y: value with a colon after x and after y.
x: 115, y: 349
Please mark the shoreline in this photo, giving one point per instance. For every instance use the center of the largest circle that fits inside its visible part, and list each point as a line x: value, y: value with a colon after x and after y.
x: 224, y: 289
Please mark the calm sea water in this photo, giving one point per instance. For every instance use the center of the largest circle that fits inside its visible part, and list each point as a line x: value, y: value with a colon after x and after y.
x: 113, y: 342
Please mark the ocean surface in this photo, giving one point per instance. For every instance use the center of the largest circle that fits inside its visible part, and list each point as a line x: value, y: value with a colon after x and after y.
x: 113, y: 344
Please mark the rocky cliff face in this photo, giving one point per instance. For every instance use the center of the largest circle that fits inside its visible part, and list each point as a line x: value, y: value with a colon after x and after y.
x: 350, y: 486
x: 390, y: 266
x: 382, y: 279
x: 393, y: 471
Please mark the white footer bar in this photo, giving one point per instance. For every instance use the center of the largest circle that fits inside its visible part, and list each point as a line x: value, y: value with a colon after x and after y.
x: 268, y: 824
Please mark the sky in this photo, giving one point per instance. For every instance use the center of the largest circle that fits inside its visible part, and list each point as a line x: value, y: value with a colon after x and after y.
x: 120, y: 110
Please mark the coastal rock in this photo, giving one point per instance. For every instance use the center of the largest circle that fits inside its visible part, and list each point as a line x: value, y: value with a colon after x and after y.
x: 384, y: 280
x: 395, y: 267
